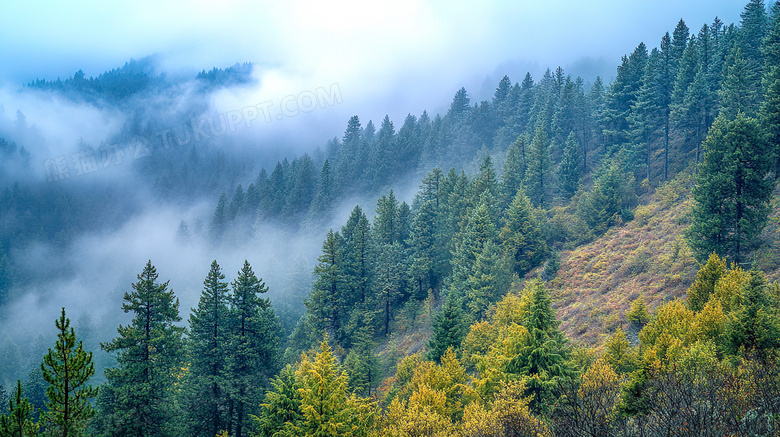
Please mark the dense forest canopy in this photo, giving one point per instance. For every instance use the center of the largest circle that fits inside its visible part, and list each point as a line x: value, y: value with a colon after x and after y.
x: 423, y: 277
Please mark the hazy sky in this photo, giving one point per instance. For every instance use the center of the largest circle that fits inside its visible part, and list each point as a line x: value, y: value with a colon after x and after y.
x: 403, y: 54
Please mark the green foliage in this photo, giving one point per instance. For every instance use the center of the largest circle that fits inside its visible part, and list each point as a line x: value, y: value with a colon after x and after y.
x: 522, y: 242
x: 449, y: 329
x: 552, y: 265
x: 732, y: 191
x: 282, y: 405
x: 148, y: 354
x: 755, y: 327
x: 638, y: 314
x: 706, y: 278
x: 254, y: 347
x: 544, y: 357
x: 207, y: 347
x: 538, y: 168
x: 513, y: 173
x: 610, y: 200
x: 570, y: 169
x: 67, y: 369
x: 18, y: 422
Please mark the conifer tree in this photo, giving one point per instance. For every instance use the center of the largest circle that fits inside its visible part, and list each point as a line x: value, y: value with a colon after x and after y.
x: 206, y: 394
x: 732, y: 191
x: 488, y: 281
x: 148, y: 359
x: 474, y: 235
x: 522, y: 242
x: 449, y: 329
x: 362, y: 364
x: 570, y: 170
x: 513, y: 173
x: 326, y: 301
x: 741, y: 90
x: 755, y: 326
x: 357, y: 257
x: 67, y: 369
x: 390, y: 279
x: 18, y: 422
x: 536, y: 176
x: 426, y: 267
x: 327, y: 408
x: 544, y: 357
x: 704, y: 285
x: 254, y: 347
x: 326, y: 192
x: 281, y: 410
x: 386, y: 222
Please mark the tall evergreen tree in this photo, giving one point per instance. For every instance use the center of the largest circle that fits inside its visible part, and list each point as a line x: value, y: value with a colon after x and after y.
x: 326, y: 301
x: 206, y: 392
x: 513, y: 173
x: 522, y: 242
x: 426, y: 267
x: 67, y: 369
x: 570, y: 169
x: 254, y: 347
x: 537, y: 172
x: 386, y: 222
x: 18, y: 422
x: 449, y: 329
x: 148, y: 360
x: 741, y: 87
x: 732, y: 192
x: 544, y: 357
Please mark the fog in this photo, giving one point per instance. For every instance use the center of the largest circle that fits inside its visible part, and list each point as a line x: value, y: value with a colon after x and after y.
x: 316, y: 64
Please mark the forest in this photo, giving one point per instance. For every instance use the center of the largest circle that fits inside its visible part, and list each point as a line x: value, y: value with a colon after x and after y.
x: 502, y: 296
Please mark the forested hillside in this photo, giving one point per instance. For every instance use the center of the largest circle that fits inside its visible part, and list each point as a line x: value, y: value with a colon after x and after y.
x: 578, y: 258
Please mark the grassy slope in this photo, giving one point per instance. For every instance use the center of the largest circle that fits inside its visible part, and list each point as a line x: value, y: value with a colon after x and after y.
x: 598, y: 281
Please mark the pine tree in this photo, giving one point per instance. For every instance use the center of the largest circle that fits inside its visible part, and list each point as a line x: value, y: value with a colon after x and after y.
x: 19, y: 420
x: 489, y: 279
x: 460, y: 106
x: 732, y: 192
x: 326, y: 301
x: 254, y: 347
x: 281, y: 410
x: 148, y: 360
x: 513, y: 173
x: 325, y: 195
x: 474, y: 235
x: 570, y: 170
x: 383, y: 154
x: 610, y: 200
x: 755, y: 327
x: 327, y: 408
x: 449, y: 329
x: 349, y: 168
x: 521, y: 240
x: 544, y: 358
x: 207, y: 350
x: 704, y: 285
x: 620, y: 99
x: 386, y: 222
x: 536, y: 176
x: 426, y: 268
x: 753, y: 29
x: 362, y: 364
x: 357, y: 257
x: 67, y: 369
x: 390, y: 277
x: 770, y: 115
x: 219, y: 218
x: 740, y: 92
